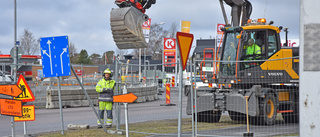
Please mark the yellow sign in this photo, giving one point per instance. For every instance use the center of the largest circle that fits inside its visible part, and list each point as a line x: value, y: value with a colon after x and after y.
x: 185, y: 42
x: 28, y: 114
x: 26, y: 95
x: 185, y: 26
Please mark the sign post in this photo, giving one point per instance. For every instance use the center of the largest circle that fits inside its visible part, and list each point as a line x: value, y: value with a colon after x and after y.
x: 11, y: 107
x: 56, y: 62
x: 185, y: 43
x: 125, y: 98
x: 25, y: 96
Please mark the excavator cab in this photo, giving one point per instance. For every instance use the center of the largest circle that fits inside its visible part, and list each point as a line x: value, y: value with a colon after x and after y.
x: 241, y: 60
x: 126, y: 23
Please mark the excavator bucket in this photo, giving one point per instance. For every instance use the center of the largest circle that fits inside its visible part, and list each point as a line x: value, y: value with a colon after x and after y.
x: 126, y: 26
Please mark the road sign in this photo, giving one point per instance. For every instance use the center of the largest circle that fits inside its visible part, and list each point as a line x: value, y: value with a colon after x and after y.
x: 185, y: 43
x: 26, y: 95
x: 55, y: 56
x: 125, y: 98
x: 10, y: 90
x: 19, y: 52
x: 78, y: 72
x: 11, y: 107
x: 27, y: 114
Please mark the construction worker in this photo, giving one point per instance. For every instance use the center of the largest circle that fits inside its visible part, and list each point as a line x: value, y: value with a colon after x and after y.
x: 253, y: 48
x: 105, y: 87
x: 253, y: 52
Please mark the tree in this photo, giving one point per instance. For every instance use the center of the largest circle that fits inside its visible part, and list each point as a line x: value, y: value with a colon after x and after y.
x: 121, y: 53
x: 109, y: 59
x: 95, y: 58
x: 83, y: 58
x: 28, y: 43
x: 155, y: 45
x: 73, y: 53
x: 72, y: 49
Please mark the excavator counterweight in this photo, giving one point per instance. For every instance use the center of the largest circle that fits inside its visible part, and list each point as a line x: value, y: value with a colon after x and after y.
x: 126, y: 26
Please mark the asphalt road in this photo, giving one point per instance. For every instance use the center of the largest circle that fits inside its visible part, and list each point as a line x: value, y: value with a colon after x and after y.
x: 49, y: 119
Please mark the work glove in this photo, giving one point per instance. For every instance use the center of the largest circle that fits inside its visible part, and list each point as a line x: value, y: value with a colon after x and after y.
x: 107, y: 90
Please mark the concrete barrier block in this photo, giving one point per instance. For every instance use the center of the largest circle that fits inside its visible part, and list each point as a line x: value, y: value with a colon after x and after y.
x: 156, y: 97
x: 73, y: 103
x: 140, y: 100
x: 150, y: 98
x: 78, y: 126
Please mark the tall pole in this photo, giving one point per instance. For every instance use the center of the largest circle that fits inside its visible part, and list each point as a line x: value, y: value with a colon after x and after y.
x: 60, y: 105
x: 15, y: 58
x: 180, y: 98
x: 139, y: 64
x: 163, y: 72
x: 105, y: 58
x: 144, y: 65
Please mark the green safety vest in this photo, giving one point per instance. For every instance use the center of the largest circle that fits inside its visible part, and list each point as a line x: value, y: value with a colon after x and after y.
x: 105, y: 96
x: 253, y: 49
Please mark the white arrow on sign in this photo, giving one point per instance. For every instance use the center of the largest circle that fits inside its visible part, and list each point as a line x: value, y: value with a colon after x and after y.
x: 64, y: 51
x: 49, y: 55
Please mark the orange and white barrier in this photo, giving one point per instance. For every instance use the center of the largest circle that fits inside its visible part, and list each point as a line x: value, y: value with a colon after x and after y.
x: 173, y: 81
x: 167, y: 93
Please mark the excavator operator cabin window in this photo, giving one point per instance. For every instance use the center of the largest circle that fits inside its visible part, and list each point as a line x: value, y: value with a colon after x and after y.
x: 272, y: 46
x: 253, y: 49
x: 229, y: 54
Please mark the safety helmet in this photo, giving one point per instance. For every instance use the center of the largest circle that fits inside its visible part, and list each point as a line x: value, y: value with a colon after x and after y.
x: 107, y: 71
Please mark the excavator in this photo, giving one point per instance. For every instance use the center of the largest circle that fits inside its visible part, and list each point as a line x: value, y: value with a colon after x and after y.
x: 251, y: 68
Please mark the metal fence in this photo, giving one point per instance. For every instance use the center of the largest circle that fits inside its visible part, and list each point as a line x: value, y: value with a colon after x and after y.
x: 266, y: 90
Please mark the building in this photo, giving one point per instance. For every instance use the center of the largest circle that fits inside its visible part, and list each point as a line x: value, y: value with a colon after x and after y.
x: 204, y: 50
x: 31, y: 68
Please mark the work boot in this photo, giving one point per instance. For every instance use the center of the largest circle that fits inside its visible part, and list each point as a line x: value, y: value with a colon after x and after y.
x: 99, y: 124
x: 108, y: 126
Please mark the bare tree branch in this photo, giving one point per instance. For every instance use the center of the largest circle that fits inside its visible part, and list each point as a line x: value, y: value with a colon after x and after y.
x: 29, y: 45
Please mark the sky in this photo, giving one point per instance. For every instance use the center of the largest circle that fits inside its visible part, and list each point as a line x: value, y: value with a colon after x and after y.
x: 87, y: 22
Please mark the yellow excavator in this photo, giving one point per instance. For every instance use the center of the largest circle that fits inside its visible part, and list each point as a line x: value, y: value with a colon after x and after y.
x: 251, y: 64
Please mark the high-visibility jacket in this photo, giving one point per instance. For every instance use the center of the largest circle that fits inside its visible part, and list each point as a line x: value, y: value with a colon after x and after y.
x: 105, y: 88
x: 253, y: 49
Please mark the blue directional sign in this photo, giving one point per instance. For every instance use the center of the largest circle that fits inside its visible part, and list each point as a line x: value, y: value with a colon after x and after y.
x: 55, y: 56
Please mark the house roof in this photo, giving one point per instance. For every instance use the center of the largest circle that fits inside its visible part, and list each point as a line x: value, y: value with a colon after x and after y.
x: 202, y: 44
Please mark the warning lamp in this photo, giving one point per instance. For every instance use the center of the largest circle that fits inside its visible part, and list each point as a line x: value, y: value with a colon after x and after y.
x: 262, y: 20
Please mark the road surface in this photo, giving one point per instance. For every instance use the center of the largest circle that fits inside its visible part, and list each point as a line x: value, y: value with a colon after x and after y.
x: 49, y: 119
